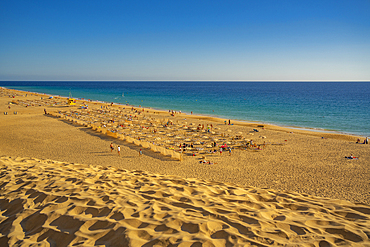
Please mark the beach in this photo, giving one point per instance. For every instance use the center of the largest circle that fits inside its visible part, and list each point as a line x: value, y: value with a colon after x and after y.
x: 295, y: 187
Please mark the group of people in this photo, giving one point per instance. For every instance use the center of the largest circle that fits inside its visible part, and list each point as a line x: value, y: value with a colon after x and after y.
x: 366, y: 141
x: 201, y: 127
x: 119, y: 150
x: 221, y: 150
x: 172, y: 112
x: 185, y: 145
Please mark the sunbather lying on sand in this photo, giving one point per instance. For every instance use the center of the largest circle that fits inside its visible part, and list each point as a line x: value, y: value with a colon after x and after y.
x: 205, y: 162
x: 351, y: 157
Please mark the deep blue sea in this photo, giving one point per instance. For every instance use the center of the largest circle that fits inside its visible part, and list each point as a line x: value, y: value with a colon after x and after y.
x: 337, y: 106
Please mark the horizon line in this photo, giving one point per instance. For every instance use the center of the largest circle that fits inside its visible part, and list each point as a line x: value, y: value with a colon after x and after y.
x: 211, y: 80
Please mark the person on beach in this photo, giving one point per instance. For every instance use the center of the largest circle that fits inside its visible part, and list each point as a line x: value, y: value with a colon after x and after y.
x: 351, y: 157
x: 229, y: 122
x: 119, y: 150
x: 366, y: 141
x: 111, y: 147
x: 230, y: 151
x: 220, y: 151
x: 140, y: 152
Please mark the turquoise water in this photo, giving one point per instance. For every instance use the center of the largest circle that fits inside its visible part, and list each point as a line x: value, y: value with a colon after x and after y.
x: 338, y: 106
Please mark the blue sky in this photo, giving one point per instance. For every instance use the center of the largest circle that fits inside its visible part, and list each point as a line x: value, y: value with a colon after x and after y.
x: 185, y: 40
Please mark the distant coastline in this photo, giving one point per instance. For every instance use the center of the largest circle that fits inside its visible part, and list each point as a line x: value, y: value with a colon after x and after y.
x: 198, y: 80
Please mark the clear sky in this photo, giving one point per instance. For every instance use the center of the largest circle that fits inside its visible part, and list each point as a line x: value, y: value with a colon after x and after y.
x: 185, y: 40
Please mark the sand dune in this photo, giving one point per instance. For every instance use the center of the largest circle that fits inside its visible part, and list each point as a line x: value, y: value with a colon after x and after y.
x: 51, y: 203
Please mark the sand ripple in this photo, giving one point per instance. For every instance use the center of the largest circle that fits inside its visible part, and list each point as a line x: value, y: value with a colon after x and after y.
x: 59, y: 204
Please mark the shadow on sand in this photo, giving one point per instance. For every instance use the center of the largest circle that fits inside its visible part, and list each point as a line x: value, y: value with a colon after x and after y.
x: 116, y: 141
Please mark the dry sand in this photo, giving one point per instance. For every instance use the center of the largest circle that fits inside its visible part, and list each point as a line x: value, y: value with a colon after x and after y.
x: 62, y: 202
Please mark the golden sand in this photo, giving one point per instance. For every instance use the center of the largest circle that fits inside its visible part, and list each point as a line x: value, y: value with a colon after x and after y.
x: 123, y: 201
x: 62, y: 204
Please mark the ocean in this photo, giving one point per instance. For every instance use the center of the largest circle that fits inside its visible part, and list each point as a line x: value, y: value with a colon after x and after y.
x: 335, y: 106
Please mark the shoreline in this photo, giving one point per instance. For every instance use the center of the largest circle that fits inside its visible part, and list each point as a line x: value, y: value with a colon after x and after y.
x: 214, y: 117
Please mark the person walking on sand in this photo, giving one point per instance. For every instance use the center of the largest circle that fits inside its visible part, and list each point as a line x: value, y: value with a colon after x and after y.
x: 140, y: 152
x: 119, y: 150
x: 111, y: 147
x: 230, y: 151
